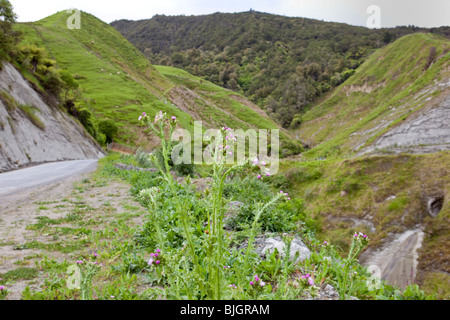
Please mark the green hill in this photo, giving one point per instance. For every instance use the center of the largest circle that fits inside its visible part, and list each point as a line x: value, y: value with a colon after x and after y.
x: 284, y: 64
x: 391, y: 88
x: 119, y: 83
x: 379, y: 156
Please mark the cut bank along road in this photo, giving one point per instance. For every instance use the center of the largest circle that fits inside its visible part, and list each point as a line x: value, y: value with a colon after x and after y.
x: 29, y: 178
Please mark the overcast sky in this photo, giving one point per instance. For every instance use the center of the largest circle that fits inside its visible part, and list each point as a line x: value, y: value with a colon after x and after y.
x: 423, y: 13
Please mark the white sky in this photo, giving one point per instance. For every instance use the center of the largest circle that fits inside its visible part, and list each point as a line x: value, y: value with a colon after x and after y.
x: 423, y: 13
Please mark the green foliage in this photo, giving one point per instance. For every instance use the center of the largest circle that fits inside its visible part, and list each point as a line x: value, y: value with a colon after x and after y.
x: 143, y: 158
x: 31, y: 115
x: 387, y: 36
x: 3, y: 292
x: 6, y: 12
x: 9, y: 101
x: 109, y: 128
x: 82, y: 112
x: 8, y: 37
x: 35, y: 60
x: 18, y: 274
x: 283, y: 217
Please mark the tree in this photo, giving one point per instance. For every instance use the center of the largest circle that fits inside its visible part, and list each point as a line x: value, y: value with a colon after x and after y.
x: 69, y: 84
x: 387, y: 36
x: 8, y: 38
x: 6, y: 12
x: 109, y: 129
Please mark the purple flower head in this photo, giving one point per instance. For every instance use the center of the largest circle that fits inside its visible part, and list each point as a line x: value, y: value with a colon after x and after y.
x: 158, y: 251
x: 311, y: 281
x: 152, y: 255
x: 259, y: 177
x: 2, y: 288
x: 174, y: 118
x: 158, y: 262
x: 268, y: 174
x: 150, y: 261
x: 262, y: 283
x: 251, y: 283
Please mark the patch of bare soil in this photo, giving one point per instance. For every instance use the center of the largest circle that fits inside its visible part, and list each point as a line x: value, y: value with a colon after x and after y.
x: 249, y: 104
x: 93, y: 198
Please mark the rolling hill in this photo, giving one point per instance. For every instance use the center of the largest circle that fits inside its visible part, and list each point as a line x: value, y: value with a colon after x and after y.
x: 404, y: 84
x: 119, y: 83
x: 283, y: 64
x: 379, y: 161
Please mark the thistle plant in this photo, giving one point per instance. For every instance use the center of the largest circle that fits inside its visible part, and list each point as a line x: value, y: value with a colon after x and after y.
x: 344, y: 278
x: 3, y: 292
x: 88, y: 270
x: 204, y: 264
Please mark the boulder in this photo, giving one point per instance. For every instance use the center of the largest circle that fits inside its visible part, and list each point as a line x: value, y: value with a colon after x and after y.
x: 266, y: 245
x: 297, y: 246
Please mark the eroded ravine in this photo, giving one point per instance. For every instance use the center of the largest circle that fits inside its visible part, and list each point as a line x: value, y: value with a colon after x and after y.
x: 398, y: 258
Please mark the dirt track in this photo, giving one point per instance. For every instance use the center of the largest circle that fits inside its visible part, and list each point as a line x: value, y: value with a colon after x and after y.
x: 54, y: 201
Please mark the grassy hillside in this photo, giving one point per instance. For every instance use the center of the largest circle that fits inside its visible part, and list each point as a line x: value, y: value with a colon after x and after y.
x: 390, y: 87
x: 281, y: 63
x: 381, y: 195
x: 119, y: 83
x: 385, y: 193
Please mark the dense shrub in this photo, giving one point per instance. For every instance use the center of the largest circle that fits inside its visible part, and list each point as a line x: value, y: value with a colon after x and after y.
x: 109, y: 128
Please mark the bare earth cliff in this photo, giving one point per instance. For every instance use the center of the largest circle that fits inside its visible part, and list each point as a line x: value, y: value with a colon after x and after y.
x: 52, y: 136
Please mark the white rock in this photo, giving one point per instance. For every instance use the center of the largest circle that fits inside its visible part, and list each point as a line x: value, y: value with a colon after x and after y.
x: 297, y: 246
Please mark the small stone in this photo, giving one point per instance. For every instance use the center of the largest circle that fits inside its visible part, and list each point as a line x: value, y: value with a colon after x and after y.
x: 297, y: 246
